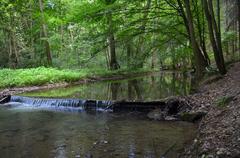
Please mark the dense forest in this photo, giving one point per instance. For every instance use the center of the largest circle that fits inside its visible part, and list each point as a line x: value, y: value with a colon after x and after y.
x: 119, y: 34
x: 120, y: 78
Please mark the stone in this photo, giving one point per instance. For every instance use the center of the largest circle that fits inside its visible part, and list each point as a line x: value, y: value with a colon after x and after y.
x: 221, y: 151
x: 171, y: 118
x: 191, y: 116
x: 156, y: 114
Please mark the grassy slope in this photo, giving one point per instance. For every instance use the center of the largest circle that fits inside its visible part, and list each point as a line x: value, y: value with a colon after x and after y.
x: 41, y: 75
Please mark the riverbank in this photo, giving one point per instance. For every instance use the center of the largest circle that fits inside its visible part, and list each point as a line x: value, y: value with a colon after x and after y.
x: 25, y: 80
x: 219, y: 134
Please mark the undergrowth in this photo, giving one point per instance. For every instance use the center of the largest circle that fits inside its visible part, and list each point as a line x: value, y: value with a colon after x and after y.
x: 42, y: 75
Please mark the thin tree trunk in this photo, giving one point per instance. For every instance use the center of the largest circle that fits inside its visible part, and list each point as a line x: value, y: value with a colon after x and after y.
x: 13, y: 55
x: 107, y: 59
x: 201, y: 33
x: 45, y: 35
x: 218, y: 16
x: 111, y: 44
x: 198, y: 56
x: 227, y: 29
x: 217, y: 30
x: 10, y: 50
x: 129, y: 53
x: 215, y: 36
x: 238, y: 26
x: 140, y: 56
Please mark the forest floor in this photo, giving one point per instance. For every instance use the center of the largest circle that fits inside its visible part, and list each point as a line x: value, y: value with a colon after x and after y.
x: 219, y: 130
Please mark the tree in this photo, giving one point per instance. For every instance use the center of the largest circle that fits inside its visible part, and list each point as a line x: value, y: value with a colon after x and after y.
x: 231, y: 28
x: 238, y: 25
x: 214, y: 35
x: 111, y: 40
x: 45, y: 34
x: 200, y: 60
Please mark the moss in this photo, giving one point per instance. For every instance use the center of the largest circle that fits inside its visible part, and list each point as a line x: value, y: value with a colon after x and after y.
x: 224, y: 101
x: 191, y: 116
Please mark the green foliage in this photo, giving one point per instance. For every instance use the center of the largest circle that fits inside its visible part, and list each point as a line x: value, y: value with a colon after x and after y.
x: 78, y: 30
x: 42, y: 75
x: 78, y: 34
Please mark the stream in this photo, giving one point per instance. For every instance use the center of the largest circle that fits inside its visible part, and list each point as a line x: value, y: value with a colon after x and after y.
x: 29, y: 130
x: 144, y: 88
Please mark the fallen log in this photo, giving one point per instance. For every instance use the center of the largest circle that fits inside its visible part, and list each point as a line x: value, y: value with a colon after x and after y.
x: 125, y: 106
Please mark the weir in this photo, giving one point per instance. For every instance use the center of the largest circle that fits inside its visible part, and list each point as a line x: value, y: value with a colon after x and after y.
x: 61, y: 104
x: 78, y: 105
x: 168, y: 109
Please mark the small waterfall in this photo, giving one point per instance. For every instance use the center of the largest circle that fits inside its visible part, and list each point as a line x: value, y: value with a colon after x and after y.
x: 70, y: 105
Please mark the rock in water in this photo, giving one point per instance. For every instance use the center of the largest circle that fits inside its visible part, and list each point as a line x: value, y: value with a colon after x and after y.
x: 157, y: 114
x: 171, y: 118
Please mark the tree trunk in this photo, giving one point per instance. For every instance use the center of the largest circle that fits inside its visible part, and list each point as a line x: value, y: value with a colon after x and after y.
x: 215, y: 36
x: 238, y: 2
x: 129, y: 53
x: 45, y: 34
x: 201, y: 32
x: 217, y: 31
x: 140, y: 54
x: 111, y: 45
x: 218, y: 16
x: 200, y: 61
x: 13, y: 51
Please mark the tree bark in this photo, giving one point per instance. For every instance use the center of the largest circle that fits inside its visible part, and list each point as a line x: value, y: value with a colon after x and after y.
x: 201, y: 33
x: 111, y: 45
x: 13, y: 51
x: 238, y: 2
x: 140, y: 54
x: 219, y: 16
x: 45, y: 34
x: 198, y: 50
x: 215, y: 36
x: 129, y: 53
x: 200, y: 61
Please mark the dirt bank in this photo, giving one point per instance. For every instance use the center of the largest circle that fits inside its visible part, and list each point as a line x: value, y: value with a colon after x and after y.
x: 219, y: 131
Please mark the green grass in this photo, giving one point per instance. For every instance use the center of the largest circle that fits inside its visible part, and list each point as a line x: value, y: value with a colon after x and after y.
x: 42, y: 75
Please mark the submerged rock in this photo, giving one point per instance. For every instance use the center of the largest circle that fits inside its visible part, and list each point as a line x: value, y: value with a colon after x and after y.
x: 157, y: 114
x: 171, y: 118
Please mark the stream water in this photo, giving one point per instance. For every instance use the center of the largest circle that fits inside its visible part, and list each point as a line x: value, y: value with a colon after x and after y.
x: 38, y: 132
x: 143, y: 88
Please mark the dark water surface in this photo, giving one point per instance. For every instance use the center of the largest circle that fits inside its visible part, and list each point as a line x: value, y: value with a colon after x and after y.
x: 38, y: 132
x: 30, y: 134
x: 147, y: 88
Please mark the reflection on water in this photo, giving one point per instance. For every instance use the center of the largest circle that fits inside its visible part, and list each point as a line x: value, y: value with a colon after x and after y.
x: 152, y: 87
x: 60, y: 135
x: 41, y: 133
